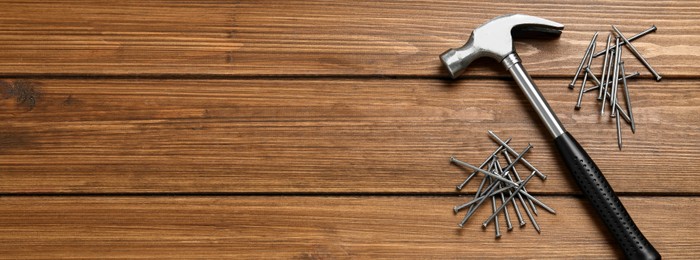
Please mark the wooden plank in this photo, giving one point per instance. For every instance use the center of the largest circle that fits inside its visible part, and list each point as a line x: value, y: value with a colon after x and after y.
x: 330, y: 135
x: 319, y: 37
x: 320, y: 227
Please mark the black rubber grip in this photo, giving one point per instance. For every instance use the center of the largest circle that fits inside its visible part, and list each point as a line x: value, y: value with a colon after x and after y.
x: 608, y: 206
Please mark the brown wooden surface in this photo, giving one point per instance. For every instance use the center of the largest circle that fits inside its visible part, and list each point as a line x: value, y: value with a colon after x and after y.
x: 319, y: 228
x: 301, y: 135
x: 318, y: 37
x: 321, y: 129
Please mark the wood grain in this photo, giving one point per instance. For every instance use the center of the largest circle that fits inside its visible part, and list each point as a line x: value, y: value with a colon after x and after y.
x: 321, y: 129
x: 325, y: 135
x: 320, y: 228
x: 319, y: 37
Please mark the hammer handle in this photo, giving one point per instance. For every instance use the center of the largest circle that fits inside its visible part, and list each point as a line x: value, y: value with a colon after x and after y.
x: 602, y: 197
x: 587, y: 175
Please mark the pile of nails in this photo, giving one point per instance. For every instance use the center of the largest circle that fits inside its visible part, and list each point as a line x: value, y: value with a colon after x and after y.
x: 504, y: 185
x: 612, y: 74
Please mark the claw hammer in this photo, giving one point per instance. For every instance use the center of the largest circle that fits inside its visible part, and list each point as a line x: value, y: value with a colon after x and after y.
x: 493, y: 39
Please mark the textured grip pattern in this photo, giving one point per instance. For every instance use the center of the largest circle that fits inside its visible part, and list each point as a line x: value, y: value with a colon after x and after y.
x: 602, y: 197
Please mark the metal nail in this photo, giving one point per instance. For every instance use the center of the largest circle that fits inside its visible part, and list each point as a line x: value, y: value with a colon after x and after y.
x: 506, y: 214
x: 593, y: 77
x: 489, y: 193
x: 627, y: 98
x: 538, y: 202
x: 461, y: 186
x: 605, y: 66
x: 634, y: 37
x: 520, y: 157
x: 580, y: 93
x: 530, y: 216
x: 617, y: 105
x: 616, y: 81
x: 583, y: 60
x: 637, y: 54
x: 475, y: 200
x: 591, y: 89
x: 635, y: 74
x: 519, y: 215
x: 498, y: 227
x: 514, y: 153
x: 496, y: 176
x: 606, y: 80
x: 482, y: 191
x: 517, y: 178
x: 521, y: 221
x: 481, y: 188
x: 619, y: 133
x: 517, y: 190
x: 588, y: 67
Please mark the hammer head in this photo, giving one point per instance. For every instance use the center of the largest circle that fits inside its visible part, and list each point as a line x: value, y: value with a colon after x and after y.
x: 494, y: 39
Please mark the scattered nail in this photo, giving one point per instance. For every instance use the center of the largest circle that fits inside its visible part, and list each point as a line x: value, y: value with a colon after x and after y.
x: 499, y: 182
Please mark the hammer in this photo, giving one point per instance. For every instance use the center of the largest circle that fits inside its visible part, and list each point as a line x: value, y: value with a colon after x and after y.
x: 494, y: 40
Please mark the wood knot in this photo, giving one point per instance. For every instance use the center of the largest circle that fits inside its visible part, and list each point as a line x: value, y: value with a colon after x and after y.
x: 25, y: 92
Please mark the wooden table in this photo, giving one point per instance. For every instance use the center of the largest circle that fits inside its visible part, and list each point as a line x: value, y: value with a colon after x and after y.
x: 322, y: 129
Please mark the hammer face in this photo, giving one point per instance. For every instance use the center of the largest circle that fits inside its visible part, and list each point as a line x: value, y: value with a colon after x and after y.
x: 452, y: 60
x: 457, y: 60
